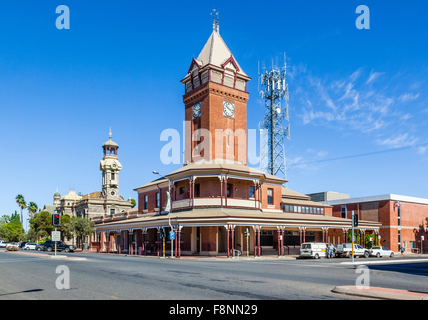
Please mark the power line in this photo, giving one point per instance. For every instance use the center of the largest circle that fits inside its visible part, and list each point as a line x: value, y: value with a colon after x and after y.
x: 360, y: 155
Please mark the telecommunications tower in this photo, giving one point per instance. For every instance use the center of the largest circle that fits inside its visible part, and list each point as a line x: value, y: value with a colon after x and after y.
x: 272, y: 130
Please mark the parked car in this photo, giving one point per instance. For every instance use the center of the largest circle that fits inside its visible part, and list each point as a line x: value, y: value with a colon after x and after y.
x: 60, y: 246
x: 30, y: 246
x: 3, y: 244
x: 22, y: 244
x: 345, y: 250
x: 381, y: 252
x: 313, y: 250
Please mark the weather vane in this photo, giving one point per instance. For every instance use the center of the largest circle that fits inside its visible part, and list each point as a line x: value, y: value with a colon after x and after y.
x: 215, y: 21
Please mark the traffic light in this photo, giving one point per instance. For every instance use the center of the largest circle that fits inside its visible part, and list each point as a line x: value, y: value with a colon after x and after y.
x: 56, y: 219
x: 355, y: 221
x: 162, y: 233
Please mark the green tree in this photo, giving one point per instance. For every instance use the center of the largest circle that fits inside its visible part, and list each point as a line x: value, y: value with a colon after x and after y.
x: 65, y: 227
x: 81, y: 227
x: 134, y: 203
x: 32, y: 208
x: 21, y: 203
x: 11, y: 229
x: 41, y: 224
x: 12, y: 232
x: 4, y: 219
x: 14, y: 218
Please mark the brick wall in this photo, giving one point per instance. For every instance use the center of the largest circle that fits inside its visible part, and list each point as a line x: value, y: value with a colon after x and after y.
x: 211, y: 95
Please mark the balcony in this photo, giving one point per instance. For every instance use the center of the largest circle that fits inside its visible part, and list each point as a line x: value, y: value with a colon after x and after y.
x: 216, y: 202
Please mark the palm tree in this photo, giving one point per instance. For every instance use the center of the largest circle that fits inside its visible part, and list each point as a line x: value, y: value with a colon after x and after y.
x: 21, y: 203
x: 32, y: 208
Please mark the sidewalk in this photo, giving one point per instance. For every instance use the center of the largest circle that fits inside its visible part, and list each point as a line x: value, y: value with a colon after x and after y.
x: 381, y: 293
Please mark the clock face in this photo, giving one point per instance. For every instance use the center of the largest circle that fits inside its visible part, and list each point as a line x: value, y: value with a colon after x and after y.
x: 228, y: 109
x: 196, y: 110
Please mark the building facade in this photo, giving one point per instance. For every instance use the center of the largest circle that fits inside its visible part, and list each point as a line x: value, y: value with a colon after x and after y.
x: 98, y: 203
x: 217, y: 203
x: 403, y: 219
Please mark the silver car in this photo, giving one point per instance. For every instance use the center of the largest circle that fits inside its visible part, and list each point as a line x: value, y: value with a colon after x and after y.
x: 381, y: 252
x: 30, y: 246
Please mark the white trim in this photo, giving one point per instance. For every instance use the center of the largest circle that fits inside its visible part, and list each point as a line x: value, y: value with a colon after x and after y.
x: 385, y: 197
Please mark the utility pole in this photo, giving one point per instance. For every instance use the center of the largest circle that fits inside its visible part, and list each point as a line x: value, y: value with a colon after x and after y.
x: 353, y: 239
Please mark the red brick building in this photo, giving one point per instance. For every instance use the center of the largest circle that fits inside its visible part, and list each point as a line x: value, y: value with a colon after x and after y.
x: 216, y: 199
x: 403, y: 218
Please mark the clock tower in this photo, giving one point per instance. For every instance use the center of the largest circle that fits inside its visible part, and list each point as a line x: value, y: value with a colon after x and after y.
x: 110, y: 167
x: 215, y: 102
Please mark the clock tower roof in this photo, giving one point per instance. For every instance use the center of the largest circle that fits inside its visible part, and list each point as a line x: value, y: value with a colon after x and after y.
x: 215, y: 52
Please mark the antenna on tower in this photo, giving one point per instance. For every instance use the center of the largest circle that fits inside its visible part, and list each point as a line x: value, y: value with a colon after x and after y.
x: 273, y: 132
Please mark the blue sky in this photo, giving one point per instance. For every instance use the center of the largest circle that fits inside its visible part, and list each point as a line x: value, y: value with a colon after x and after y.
x: 120, y: 64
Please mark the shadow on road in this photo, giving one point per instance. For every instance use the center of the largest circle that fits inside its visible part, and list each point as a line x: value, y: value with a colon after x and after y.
x: 26, y: 291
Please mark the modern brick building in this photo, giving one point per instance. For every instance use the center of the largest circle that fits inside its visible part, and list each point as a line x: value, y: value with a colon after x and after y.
x: 403, y: 218
x: 216, y: 199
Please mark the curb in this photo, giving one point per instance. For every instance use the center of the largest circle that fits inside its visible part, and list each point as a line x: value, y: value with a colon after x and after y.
x: 46, y: 255
x: 381, y: 293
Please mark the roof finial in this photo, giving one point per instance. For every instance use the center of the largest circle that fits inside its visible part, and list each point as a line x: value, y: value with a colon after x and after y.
x: 110, y: 133
x: 216, y: 26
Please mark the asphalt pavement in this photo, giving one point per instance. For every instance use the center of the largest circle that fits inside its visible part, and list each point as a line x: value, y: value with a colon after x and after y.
x: 32, y: 275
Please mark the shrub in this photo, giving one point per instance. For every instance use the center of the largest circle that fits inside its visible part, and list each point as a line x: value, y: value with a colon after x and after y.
x: 12, y: 248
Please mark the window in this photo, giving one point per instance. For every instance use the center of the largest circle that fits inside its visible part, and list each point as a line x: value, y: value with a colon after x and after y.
x: 112, y: 176
x: 343, y: 211
x: 318, y: 210
x: 197, y: 190
x: 299, y: 209
x: 303, y: 210
x: 111, y: 211
x: 307, y: 209
x: 287, y: 208
x: 291, y: 208
x: 252, y: 190
x: 322, y: 210
x: 182, y: 190
x: 146, y: 202
x: 157, y: 199
x: 229, y: 190
x: 295, y: 209
x: 270, y: 196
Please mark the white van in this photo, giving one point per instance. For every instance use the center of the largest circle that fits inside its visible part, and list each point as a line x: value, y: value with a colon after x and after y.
x: 313, y: 250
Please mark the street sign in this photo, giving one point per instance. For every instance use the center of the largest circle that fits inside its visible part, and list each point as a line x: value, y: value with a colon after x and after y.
x: 172, y: 235
x: 56, y: 235
x: 279, y: 238
x: 115, y: 235
x: 422, y: 238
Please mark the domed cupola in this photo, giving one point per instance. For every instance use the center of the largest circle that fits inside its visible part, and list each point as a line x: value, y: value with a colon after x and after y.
x: 110, y: 147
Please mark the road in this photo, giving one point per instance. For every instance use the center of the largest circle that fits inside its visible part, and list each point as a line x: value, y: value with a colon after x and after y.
x: 111, y: 277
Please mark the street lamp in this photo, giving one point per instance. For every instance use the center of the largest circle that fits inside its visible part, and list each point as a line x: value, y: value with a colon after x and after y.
x: 169, y: 211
